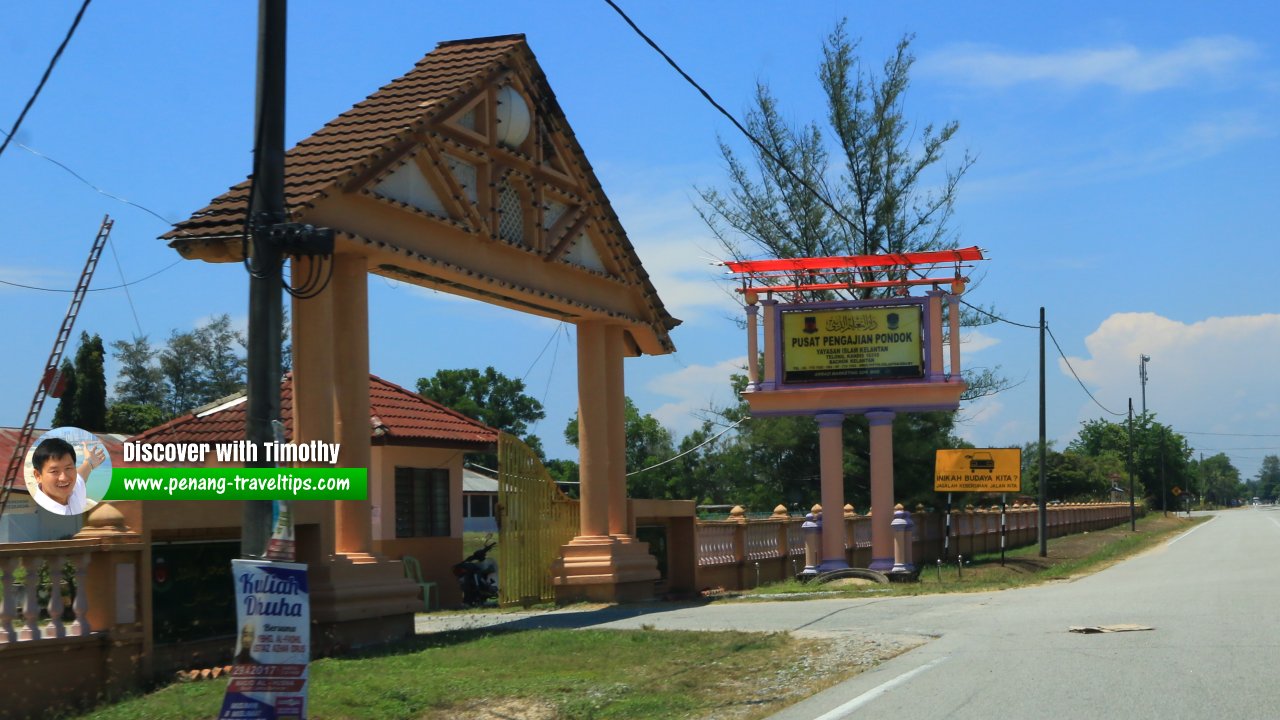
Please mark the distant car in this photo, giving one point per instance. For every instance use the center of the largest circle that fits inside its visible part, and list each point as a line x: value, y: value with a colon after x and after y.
x: 981, y: 461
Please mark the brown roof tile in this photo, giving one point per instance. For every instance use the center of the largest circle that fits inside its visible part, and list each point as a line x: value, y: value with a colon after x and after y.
x: 397, y: 417
x: 361, y: 134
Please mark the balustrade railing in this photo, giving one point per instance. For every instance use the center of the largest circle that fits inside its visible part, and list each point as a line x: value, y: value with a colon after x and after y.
x: 34, y: 577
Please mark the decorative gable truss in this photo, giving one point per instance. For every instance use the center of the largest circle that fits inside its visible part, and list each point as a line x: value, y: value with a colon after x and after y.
x: 491, y: 166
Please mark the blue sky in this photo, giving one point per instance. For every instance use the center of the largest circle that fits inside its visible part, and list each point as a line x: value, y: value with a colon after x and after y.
x: 1126, y: 181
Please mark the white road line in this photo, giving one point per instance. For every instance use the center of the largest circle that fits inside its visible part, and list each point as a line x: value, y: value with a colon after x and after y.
x: 1188, y: 532
x: 866, y: 697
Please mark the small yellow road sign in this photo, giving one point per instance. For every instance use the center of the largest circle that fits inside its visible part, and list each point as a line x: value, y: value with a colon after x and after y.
x: 1176, y: 491
x: 978, y: 470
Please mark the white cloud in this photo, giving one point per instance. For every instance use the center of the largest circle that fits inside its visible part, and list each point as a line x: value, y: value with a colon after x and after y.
x: 1212, y: 376
x: 695, y: 389
x: 1124, y: 67
x: 1108, y: 160
x: 677, y: 250
x: 974, y: 340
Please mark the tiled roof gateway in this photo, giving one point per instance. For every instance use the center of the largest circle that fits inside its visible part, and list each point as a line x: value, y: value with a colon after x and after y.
x: 354, y: 141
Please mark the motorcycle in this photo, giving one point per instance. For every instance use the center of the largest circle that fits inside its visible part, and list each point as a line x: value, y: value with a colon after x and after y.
x: 478, y: 576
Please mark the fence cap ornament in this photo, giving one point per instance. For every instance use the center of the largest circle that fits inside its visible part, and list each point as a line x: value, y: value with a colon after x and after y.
x: 737, y: 513
x: 104, y: 519
x: 816, y: 509
x: 780, y: 511
x: 848, y: 511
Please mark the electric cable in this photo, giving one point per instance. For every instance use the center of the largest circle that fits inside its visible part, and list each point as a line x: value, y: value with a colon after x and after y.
x: 1077, y: 377
x: 93, y: 187
x: 44, y: 78
x: 768, y: 153
x: 696, y: 447
x: 1248, y: 435
x: 101, y: 289
x: 125, y: 285
x: 997, y: 318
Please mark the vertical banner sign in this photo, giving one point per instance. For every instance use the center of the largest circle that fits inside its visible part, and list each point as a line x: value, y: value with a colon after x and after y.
x: 281, y: 545
x: 273, y: 646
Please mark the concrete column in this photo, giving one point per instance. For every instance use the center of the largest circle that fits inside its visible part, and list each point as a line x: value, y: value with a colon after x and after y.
x: 593, y: 431
x: 953, y: 306
x: 831, y: 463
x: 615, y: 398
x: 753, y: 342
x: 312, y: 337
x: 934, y: 346
x: 350, y: 343
x: 881, y: 489
x: 771, y: 374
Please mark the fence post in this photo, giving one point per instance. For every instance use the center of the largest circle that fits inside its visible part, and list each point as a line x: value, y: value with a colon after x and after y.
x: 901, y: 526
x: 812, y: 529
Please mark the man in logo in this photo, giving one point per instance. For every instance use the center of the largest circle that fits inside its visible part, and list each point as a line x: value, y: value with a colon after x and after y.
x: 60, y: 485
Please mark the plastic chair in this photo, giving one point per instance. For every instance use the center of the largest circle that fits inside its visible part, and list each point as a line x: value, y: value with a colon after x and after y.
x: 413, y: 571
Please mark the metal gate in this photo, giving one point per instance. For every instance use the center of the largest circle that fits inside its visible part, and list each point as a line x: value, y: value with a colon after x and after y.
x: 535, y: 518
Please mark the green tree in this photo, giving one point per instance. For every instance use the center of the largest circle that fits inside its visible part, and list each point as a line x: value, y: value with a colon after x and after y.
x: 91, y: 383
x: 139, y: 380
x: 202, y: 365
x: 1221, y: 480
x: 1268, y: 478
x: 179, y: 363
x: 490, y: 397
x: 884, y: 161
x: 67, y: 414
x: 221, y: 360
x: 1161, y: 459
x: 84, y: 399
x: 647, y: 444
x: 132, y: 418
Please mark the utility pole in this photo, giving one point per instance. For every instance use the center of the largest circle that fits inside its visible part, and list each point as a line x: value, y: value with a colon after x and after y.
x: 1044, y: 490
x: 1142, y: 375
x: 271, y: 239
x: 1164, y: 502
x: 266, y: 307
x: 1133, y: 512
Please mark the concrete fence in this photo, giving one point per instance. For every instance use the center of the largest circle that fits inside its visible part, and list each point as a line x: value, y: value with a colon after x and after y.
x: 741, y: 553
x: 71, y: 626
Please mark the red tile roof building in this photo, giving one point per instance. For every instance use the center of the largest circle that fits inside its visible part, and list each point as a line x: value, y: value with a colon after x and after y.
x: 397, y: 417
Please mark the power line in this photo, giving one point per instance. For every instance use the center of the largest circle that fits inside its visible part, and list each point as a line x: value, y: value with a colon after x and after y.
x: 1248, y: 435
x: 126, y: 287
x: 742, y: 129
x: 997, y: 318
x: 95, y: 188
x: 1077, y: 377
x: 696, y: 447
x: 111, y: 287
x: 769, y: 153
x: 44, y: 78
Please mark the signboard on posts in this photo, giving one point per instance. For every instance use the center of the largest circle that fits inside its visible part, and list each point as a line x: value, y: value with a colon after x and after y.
x: 978, y: 470
x: 852, y: 343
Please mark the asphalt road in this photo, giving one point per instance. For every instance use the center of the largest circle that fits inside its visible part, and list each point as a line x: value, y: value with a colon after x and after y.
x: 1211, y: 595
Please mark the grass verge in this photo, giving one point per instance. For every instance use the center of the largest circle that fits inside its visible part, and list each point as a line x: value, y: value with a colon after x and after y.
x: 1068, y: 556
x: 577, y: 674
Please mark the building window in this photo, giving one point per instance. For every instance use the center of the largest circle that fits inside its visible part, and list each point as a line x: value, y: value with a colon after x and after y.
x: 422, y: 502
x: 480, y: 505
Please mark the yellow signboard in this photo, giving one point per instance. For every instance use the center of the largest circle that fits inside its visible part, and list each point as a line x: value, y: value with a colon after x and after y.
x: 978, y: 470
x: 868, y: 343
